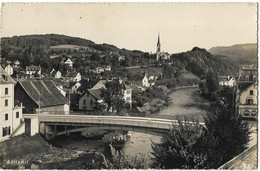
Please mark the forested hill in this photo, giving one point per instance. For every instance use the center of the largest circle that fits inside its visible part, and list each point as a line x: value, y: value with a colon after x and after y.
x: 200, y: 61
x: 35, y: 49
x: 243, y: 53
x: 43, y: 41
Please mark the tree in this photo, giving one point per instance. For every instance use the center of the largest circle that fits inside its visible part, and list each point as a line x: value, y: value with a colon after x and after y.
x: 212, y: 82
x: 189, y: 146
x: 179, y: 149
x: 233, y: 134
x: 113, y: 96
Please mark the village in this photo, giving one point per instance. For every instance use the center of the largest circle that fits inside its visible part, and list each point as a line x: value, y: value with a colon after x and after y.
x: 31, y: 90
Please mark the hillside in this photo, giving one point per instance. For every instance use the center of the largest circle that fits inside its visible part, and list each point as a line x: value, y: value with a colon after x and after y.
x: 36, y: 49
x: 243, y: 53
x: 198, y: 61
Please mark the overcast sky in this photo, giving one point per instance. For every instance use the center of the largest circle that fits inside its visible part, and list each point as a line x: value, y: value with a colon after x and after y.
x: 136, y: 25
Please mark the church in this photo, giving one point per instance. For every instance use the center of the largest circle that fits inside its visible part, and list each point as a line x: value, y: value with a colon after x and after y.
x: 161, y: 55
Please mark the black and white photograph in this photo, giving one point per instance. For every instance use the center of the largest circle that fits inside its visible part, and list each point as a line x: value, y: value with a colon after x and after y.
x: 129, y: 85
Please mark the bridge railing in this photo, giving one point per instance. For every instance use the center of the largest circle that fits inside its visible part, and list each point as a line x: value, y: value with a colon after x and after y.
x: 112, y: 120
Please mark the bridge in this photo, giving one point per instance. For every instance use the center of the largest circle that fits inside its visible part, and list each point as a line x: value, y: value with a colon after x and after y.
x: 51, y: 125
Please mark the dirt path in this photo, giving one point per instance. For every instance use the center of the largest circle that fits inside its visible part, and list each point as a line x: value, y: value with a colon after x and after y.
x: 184, y: 102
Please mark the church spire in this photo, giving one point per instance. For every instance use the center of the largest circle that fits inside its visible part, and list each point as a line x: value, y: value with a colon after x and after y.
x: 158, y: 44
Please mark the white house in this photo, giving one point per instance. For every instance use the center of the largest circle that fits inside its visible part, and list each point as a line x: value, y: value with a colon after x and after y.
x: 68, y: 62
x: 31, y: 70
x: 227, y: 81
x: 55, y: 74
x: 148, y: 80
x: 10, y: 114
x: 247, y: 106
x: 9, y: 70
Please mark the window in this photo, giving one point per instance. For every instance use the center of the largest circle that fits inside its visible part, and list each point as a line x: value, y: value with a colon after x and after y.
x: 128, y: 91
x: 251, y: 78
x: 246, y: 112
x: 128, y: 98
x: 249, y: 101
x: 91, y: 102
x: 6, y: 131
x: 6, y: 90
x: 6, y: 102
x: 17, y: 114
x: 84, y: 102
x: 6, y: 116
x: 251, y: 92
x: 253, y: 113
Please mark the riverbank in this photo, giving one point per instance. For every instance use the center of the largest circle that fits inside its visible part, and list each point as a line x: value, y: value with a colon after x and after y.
x: 33, y: 152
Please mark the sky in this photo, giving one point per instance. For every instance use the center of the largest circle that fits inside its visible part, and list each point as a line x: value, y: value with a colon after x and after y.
x: 136, y: 26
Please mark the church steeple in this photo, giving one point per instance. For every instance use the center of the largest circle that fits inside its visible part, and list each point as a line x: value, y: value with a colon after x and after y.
x: 158, y: 50
x: 158, y: 44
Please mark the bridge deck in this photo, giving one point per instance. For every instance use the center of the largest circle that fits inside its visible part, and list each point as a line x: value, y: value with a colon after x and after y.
x: 154, y: 123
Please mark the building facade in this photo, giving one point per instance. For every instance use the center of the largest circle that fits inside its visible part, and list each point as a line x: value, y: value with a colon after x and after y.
x: 9, y: 70
x: 90, y: 100
x: 247, y: 92
x: 10, y: 113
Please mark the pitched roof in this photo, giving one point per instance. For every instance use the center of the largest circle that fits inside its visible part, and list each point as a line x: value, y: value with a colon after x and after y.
x: 96, y: 93
x: 244, y: 86
x: 71, y: 74
x: 136, y: 88
x: 43, y: 92
x: 71, y: 84
x: 225, y: 78
x: 5, y: 78
x: 33, y: 68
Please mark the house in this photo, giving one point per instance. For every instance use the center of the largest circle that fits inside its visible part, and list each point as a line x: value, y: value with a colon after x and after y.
x: 101, y: 84
x: 9, y: 70
x: 33, y: 70
x: 10, y: 113
x: 73, y: 76
x: 55, y: 74
x: 246, y: 102
x: 127, y: 93
x: 121, y: 58
x: 68, y: 62
x: 72, y: 87
x: 247, y: 105
x: 107, y: 68
x: 90, y: 100
x: 16, y: 64
x: 99, y: 70
x: 145, y: 81
x: 148, y: 80
x: 248, y: 73
x: 227, y: 81
x: 41, y: 96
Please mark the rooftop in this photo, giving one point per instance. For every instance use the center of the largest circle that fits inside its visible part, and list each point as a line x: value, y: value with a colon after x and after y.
x: 43, y: 92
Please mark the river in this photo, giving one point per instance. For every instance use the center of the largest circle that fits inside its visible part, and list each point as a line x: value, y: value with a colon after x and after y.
x: 184, y: 102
